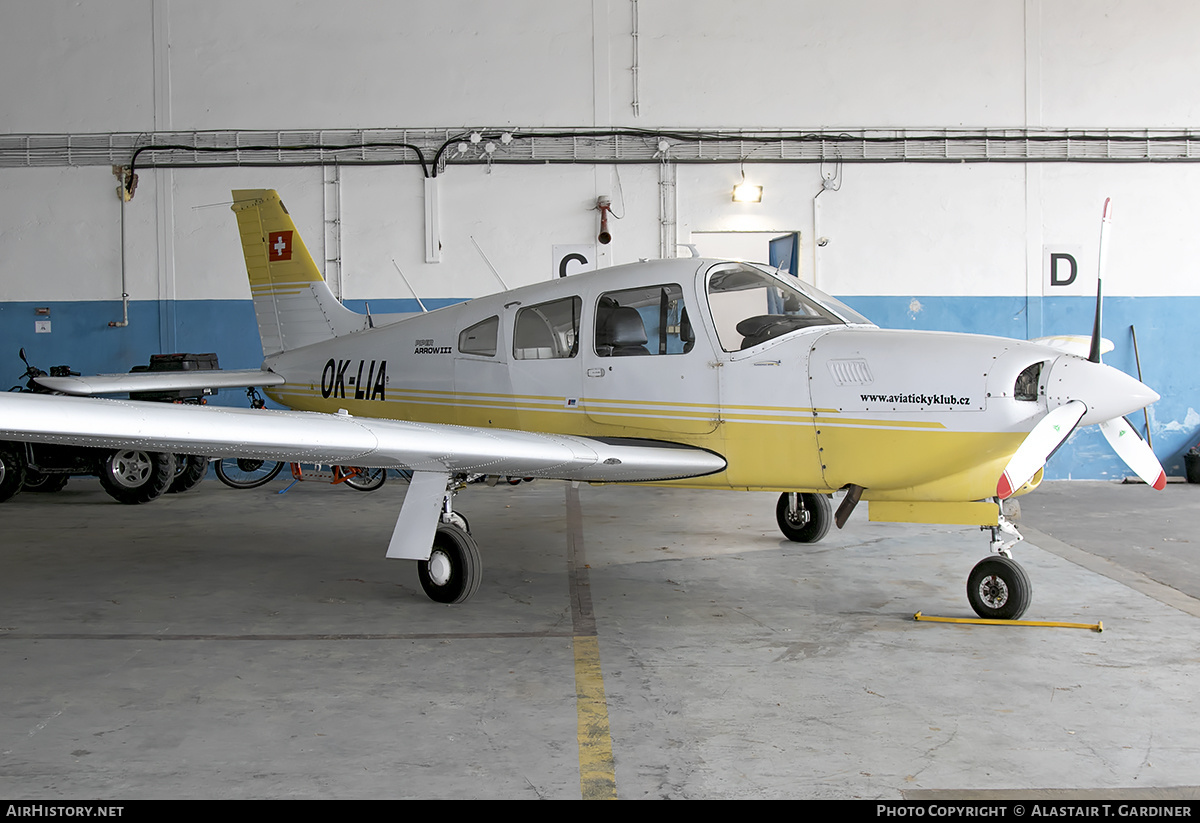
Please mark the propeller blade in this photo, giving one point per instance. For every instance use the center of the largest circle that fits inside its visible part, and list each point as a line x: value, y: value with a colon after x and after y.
x: 1038, y: 445
x: 1131, y: 448
x: 1096, y: 342
x: 1105, y: 225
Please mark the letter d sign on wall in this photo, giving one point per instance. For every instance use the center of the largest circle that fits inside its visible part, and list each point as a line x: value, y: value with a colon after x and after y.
x: 1065, y: 272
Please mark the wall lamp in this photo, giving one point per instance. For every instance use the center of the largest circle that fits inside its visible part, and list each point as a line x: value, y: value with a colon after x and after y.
x: 744, y: 192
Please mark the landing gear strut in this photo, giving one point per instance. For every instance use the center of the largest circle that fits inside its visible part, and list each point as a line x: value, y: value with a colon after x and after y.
x: 449, y: 515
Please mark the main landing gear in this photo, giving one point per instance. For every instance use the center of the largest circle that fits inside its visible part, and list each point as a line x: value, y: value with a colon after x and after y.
x: 453, y: 570
x: 803, y: 517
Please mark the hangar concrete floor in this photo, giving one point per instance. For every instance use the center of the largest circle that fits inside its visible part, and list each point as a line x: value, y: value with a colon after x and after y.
x: 247, y: 644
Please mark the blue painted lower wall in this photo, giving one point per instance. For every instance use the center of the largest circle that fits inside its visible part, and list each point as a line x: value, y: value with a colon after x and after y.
x: 1169, y: 347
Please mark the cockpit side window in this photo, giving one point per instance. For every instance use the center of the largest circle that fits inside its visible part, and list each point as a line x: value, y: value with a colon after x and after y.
x: 644, y: 321
x: 547, y: 331
x: 480, y: 338
x: 750, y: 307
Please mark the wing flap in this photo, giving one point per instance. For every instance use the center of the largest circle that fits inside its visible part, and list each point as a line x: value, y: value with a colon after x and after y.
x: 341, y: 439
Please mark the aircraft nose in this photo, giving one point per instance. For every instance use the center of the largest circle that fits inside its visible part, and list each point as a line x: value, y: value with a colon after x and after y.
x: 1109, y: 393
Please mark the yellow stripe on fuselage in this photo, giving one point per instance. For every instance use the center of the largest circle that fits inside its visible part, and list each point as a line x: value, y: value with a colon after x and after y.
x: 768, y: 448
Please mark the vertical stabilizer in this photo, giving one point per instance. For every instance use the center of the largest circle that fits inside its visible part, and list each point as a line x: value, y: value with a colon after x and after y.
x: 292, y: 302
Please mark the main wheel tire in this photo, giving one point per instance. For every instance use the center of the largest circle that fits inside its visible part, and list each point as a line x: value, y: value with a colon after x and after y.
x: 366, y: 480
x: 12, y: 469
x: 132, y: 477
x: 190, y: 469
x: 813, y: 523
x: 36, y: 481
x: 246, y: 473
x: 999, y: 589
x: 453, y: 570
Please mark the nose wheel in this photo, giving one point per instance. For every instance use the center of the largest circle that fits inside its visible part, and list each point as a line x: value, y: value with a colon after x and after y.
x: 999, y: 589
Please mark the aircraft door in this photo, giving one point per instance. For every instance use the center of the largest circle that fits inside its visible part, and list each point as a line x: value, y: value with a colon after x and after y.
x: 763, y: 332
x: 645, y: 372
x: 544, y: 365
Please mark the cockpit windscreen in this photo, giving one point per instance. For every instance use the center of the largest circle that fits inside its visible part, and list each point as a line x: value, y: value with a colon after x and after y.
x: 750, y: 306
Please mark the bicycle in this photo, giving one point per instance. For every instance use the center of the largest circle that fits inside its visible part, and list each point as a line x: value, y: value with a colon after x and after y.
x: 250, y: 473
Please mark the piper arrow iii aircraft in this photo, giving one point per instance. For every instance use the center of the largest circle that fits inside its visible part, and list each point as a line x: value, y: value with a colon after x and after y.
x: 688, y: 372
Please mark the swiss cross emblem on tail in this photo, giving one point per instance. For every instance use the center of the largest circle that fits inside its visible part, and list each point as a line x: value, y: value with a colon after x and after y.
x: 280, y: 245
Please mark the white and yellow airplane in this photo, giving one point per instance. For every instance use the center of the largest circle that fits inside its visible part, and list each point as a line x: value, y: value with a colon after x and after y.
x: 686, y: 372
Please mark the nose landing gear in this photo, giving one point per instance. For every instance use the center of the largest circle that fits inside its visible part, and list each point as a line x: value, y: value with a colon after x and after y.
x: 998, y: 587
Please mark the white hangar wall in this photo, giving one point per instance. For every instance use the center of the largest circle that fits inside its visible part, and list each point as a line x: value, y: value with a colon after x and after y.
x: 914, y: 245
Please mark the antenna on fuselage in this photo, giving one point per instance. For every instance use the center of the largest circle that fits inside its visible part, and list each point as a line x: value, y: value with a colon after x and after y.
x: 489, y: 263
x: 410, y: 288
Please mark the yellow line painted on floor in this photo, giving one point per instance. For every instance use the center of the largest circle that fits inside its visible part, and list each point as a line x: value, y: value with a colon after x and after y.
x: 597, y: 776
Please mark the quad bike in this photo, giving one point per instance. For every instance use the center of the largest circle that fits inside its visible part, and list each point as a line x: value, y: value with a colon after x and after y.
x: 128, y: 475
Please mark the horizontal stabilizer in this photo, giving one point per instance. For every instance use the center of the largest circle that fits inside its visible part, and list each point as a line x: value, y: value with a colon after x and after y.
x: 160, y: 381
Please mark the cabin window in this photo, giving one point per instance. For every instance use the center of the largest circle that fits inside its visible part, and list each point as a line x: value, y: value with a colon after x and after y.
x: 648, y: 320
x: 480, y: 338
x: 750, y: 307
x: 547, y: 331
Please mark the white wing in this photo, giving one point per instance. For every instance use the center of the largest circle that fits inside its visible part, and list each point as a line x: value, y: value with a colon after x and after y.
x: 339, y: 439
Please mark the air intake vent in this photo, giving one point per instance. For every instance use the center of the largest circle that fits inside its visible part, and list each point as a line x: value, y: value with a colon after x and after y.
x: 851, y: 372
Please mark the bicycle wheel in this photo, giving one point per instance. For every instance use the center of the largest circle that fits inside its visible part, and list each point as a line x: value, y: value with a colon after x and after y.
x: 366, y: 480
x: 246, y: 473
